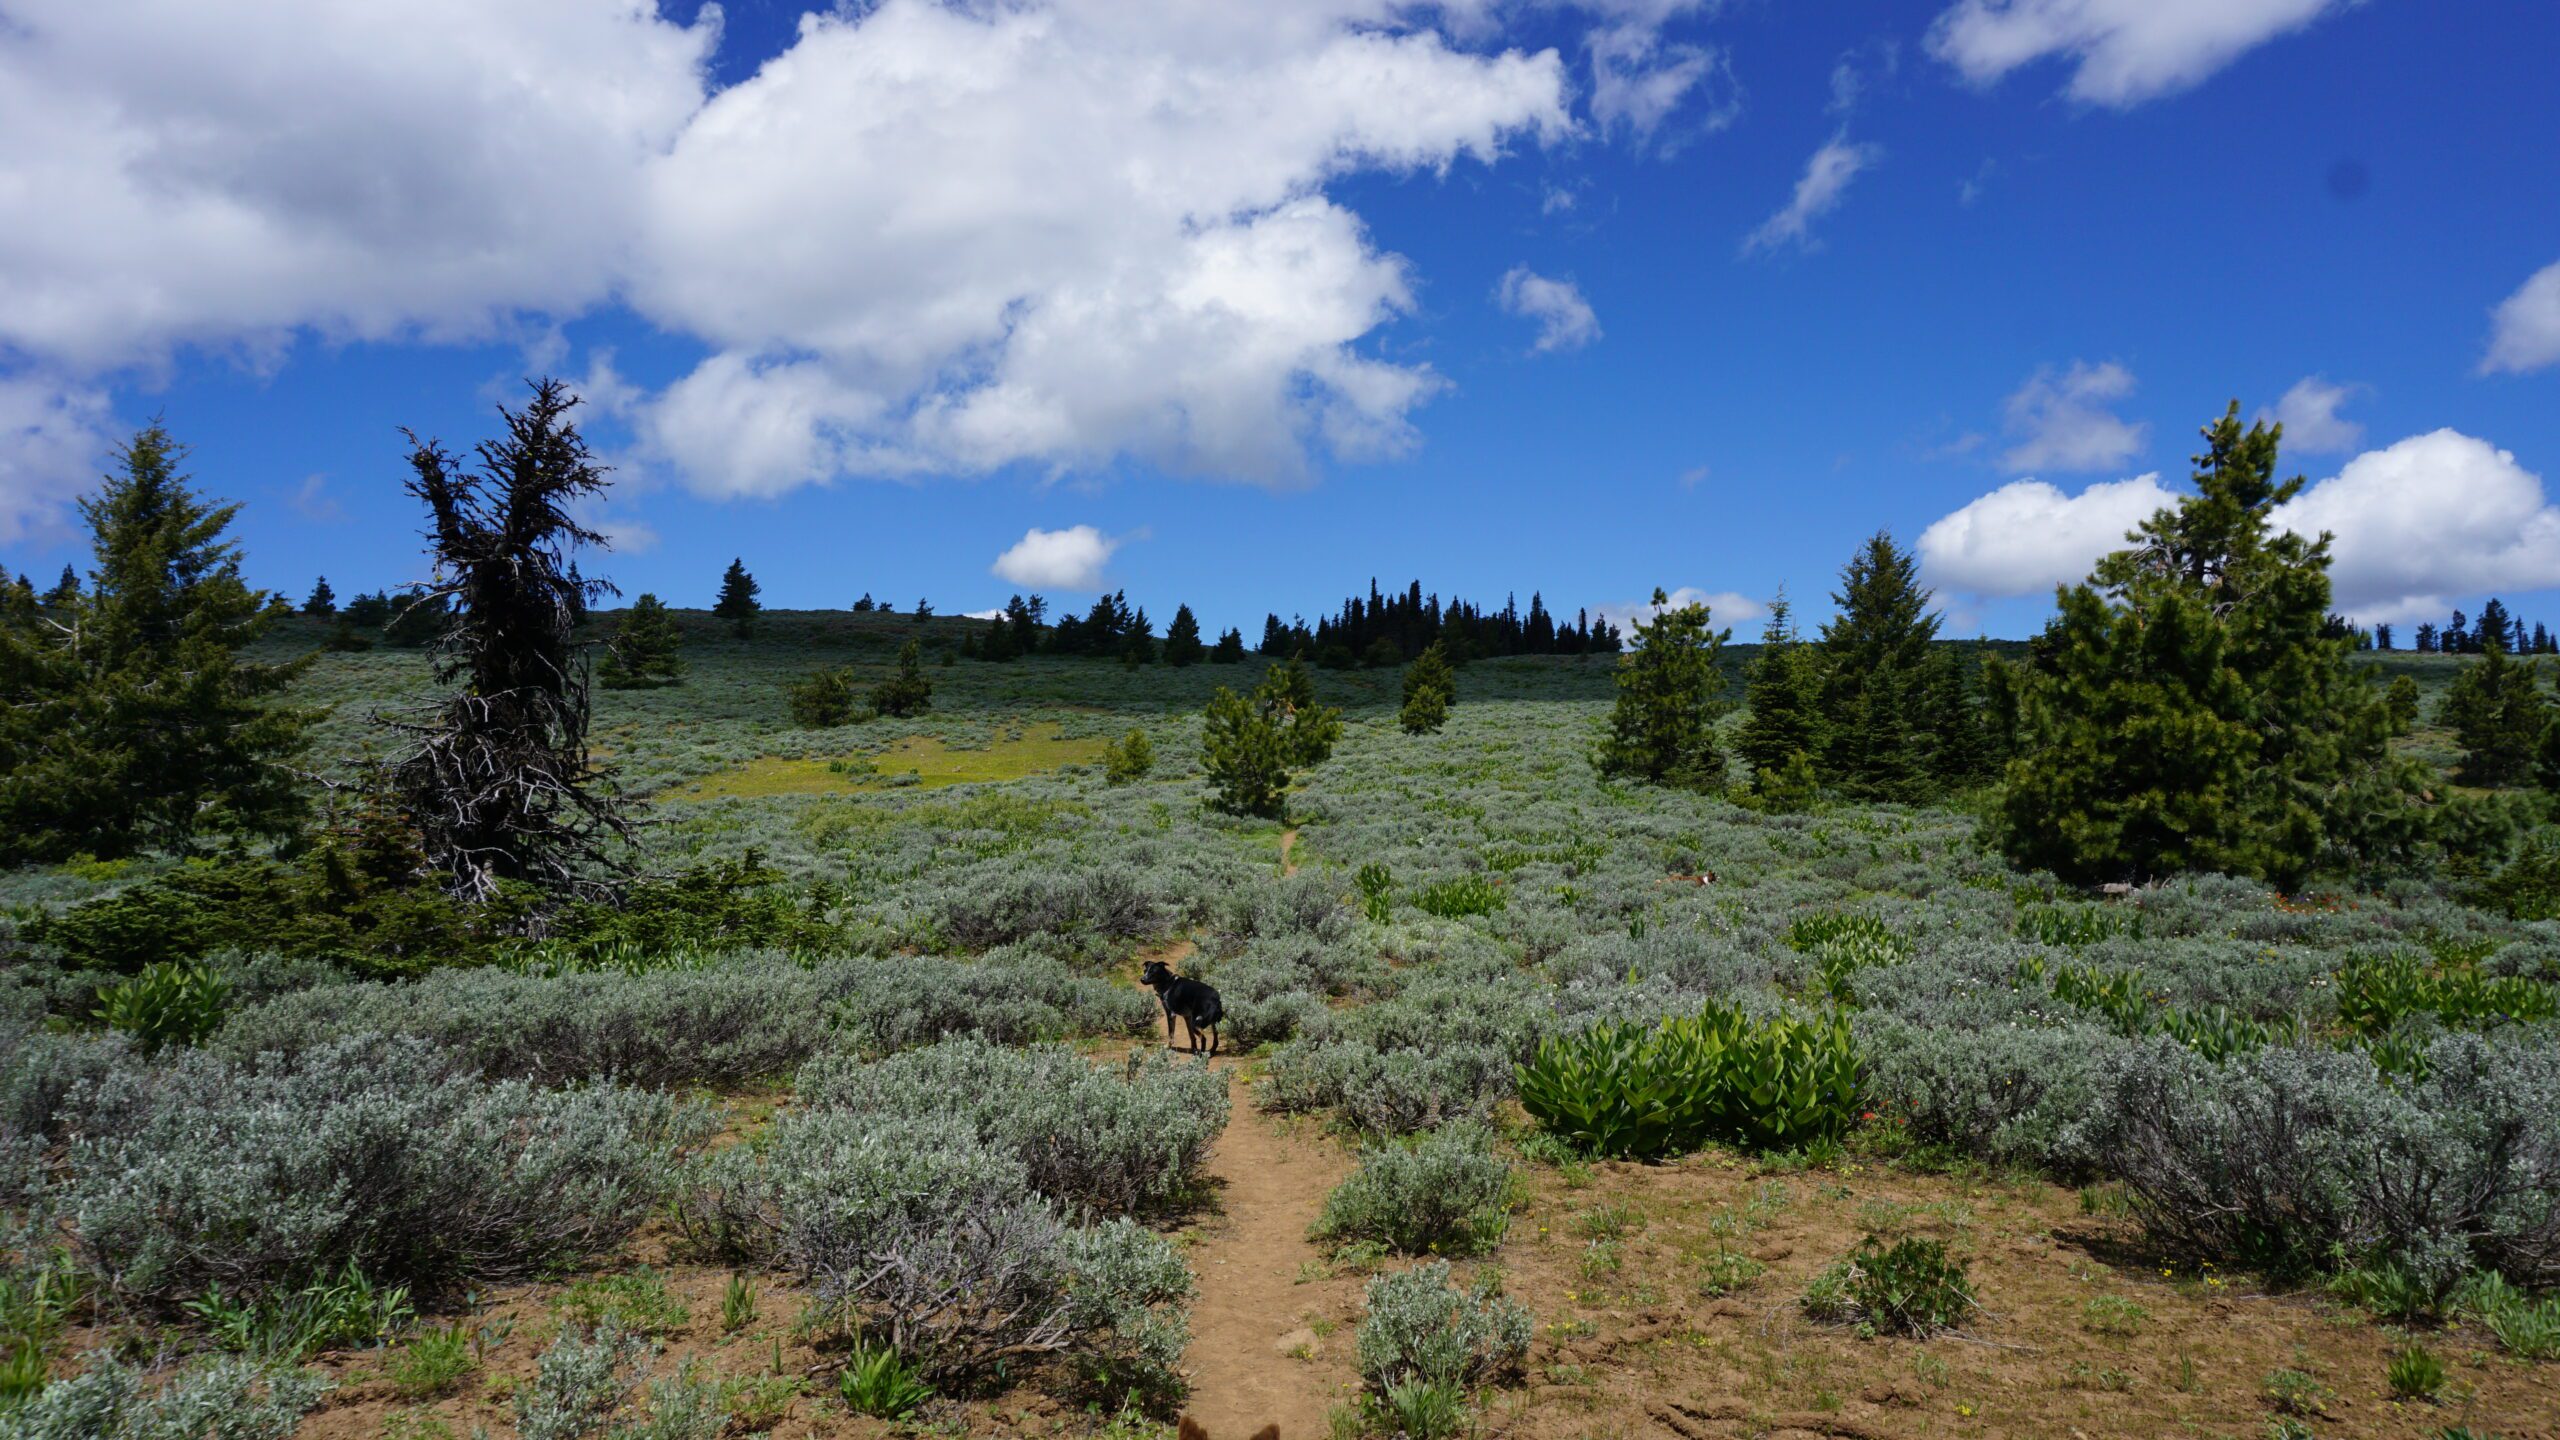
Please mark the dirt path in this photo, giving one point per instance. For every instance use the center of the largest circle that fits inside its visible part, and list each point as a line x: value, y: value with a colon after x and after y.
x: 1288, y: 843
x: 1252, y: 1312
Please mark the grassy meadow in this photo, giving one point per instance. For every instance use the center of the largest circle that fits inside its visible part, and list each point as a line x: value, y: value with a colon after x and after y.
x: 2207, y: 1160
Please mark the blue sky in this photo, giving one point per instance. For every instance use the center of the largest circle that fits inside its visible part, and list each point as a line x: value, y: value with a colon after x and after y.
x: 1242, y: 305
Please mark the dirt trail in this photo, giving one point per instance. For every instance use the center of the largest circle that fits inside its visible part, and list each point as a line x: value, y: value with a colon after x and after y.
x: 1288, y: 843
x: 1252, y: 1312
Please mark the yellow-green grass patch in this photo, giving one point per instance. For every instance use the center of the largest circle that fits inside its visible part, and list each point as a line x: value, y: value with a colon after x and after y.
x: 932, y: 762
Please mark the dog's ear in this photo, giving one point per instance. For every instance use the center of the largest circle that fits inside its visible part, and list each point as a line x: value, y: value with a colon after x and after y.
x: 1190, y: 1430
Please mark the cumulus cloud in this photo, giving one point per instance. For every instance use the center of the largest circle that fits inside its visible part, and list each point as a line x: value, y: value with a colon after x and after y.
x: 2027, y: 537
x: 52, y: 440
x: 1069, y: 559
x: 2430, y: 518
x: 2414, y: 526
x: 1825, y: 183
x: 2124, y: 51
x: 1724, y: 607
x: 2524, y: 331
x: 2309, y: 414
x: 2061, y: 421
x: 1565, y: 321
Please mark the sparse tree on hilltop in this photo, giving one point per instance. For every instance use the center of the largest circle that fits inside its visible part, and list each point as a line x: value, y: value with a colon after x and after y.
x: 1662, y: 728
x: 645, y: 651
x: 1430, y: 687
x: 323, y: 602
x: 1249, y: 747
x: 1182, y: 639
x: 906, y: 692
x: 737, y: 603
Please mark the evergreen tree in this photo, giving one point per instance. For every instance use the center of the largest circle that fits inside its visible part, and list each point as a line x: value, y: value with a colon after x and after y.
x: 2542, y: 641
x: 496, y: 778
x: 66, y: 591
x: 1956, y: 750
x: 2381, y: 637
x: 1430, y: 687
x: 2400, y: 702
x: 367, y: 613
x: 1275, y: 637
x: 1662, y: 728
x: 907, y: 692
x: 2494, y: 627
x: 1182, y: 639
x: 1249, y: 747
x: 2426, y: 642
x: 997, y: 645
x: 822, y: 699
x: 2185, y: 713
x: 1230, y: 648
x: 1784, y: 695
x: 922, y: 612
x: 1138, y: 640
x: 2497, y: 716
x: 644, y: 652
x: 737, y: 603
x: 127, y: 719
x: 1873, y: 654
x: 323, y: 602
x: 863, y: 606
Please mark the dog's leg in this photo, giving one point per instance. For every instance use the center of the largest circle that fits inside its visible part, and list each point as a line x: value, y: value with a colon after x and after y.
x: 1213, y: 1039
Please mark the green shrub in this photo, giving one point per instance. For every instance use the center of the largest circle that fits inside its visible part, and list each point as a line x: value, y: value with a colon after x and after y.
x: 1619, y: 1089
x: 1421, y: 1328
x: 2077, y: 925
x: 1129, y: 758
x: 171, y: 1003
x: 2374, y: 995
x: 1444, y: 1194
x: 2294, y: 1393
x: 1377, y: 892
x: 2113, y: 1315
x: 877, y: 1383
x: 1420, y: 1409
x: 343, y: 1310
x: 2529, y: 1329
x: 637, y: 1303
x: 1909, y: 1288
x: 434, y: 1362
x: 823, y: 699
x: 2390, y: 1291
x: 737, y: 1304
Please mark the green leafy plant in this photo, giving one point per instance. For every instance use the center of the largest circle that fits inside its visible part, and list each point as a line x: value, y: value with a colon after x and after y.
x: 876, y: 1382
x: 171, y: 1003
x: 2415, y: 1373
x: 1424, y: 1410
x: 336, y: 1312
x: 433, y: 1362
x: 1377, y: 892
x: 1727, y: 1272
x: 2113, y: 1315
x: 637, y: 1303
x: 737, y: 1304
x: 1629, y: 1090
x: 1465, y: 895
x: 1912, y: 1287
x: 2292, y: 1392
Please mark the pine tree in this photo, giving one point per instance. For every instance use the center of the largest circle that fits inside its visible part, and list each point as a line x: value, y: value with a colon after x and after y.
x: 737, y: 603
x: 1249, y: 747
x: 2426, y: 644
x: 2185, y: 712
x: 822, y: 699
x: 645, y: 651
x: 2400, y: 702
x: 2497, y: 715
x: 1662, y: 728
x: 323, y: 602
x: 1182, y: 639
x: 496, y: 778
x: 1954, y: 747
x: 127, y: 719
x: 1784, y: 695
x: 907, y: 692
x: 2493, y: 627
x: 863, y: 606
x: 1230, y: 648
x: 1430, y: 688
x: 2381, y: 637
x: 66, y: 591
x: 1879, y: 642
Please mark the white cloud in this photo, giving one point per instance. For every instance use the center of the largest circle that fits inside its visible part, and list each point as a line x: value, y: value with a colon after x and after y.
x: 2524, y: 331
x: 2061, y: 422
x: 1825, y: 183
x: 2309, y: 414
x: 53, y: 439
x: 1069, y: 559
x: 1724, y: 607
x: 1639, y: 81
x: 2430, y: 519
x: 2416, y: 526
x: 2027, y: 537
x: 312, y: 501
x: 1565, y: 321
x: 2126, y: 51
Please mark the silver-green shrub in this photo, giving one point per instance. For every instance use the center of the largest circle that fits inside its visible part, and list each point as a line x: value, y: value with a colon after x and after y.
x: 1111, y: 1139
x: 1421, y: 1327
x: 1446, y: 1193
x: 200, y: 1171
x: 225, y: 1399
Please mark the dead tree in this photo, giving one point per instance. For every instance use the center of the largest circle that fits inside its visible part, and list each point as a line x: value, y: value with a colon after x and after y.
x: 496, y: 777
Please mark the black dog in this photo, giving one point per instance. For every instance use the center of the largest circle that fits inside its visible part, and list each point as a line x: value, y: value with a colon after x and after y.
x: 1196, y: 1003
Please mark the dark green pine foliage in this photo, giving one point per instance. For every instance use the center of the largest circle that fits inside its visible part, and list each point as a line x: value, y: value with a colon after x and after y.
x: 1182, y: 639
x: 823, y: 699
x: 323, y: 602
x: 1138, y: 641
x: 1662, y: 727
x: 2497, y: 715
x: 2401, y: 702
x: 495, y: 777
x: 1430, y: 688
x: 646, y: 651
x: 1250, y: 746
x: 1954, y: 741
x: 906, y: 691
x: 2186, y: 713
x: 128, y: 722
x: 1230, y: 648
x: 1784, y: 695
x: 66, y: 591
x: 1874, y: 653
x: 737, y: 603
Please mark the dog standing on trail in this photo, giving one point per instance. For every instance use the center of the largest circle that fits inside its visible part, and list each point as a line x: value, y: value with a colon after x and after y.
x: 1193, y: 1002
